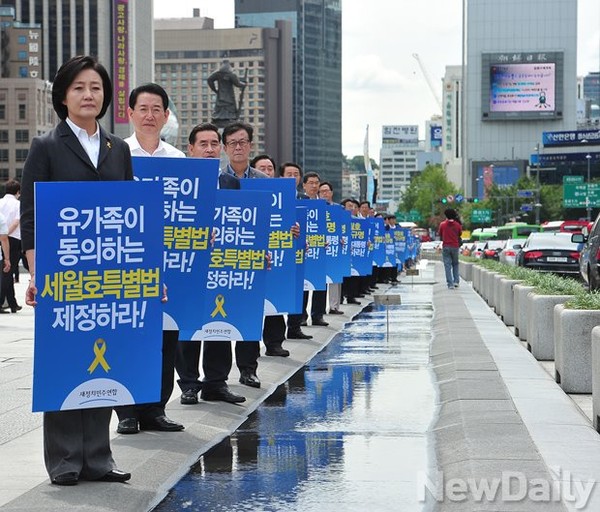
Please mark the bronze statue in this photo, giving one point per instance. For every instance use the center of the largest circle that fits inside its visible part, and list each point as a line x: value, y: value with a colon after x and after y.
x: 226, y: 109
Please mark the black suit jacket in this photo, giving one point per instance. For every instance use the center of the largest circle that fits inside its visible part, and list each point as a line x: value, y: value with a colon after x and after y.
x: 228, y: 181
x: 59, y: 156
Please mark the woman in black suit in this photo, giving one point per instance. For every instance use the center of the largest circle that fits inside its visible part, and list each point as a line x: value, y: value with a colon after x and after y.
x: 76, y: 442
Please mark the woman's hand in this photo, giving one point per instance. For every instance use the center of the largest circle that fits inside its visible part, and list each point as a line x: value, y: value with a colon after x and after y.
x: 31, y: 292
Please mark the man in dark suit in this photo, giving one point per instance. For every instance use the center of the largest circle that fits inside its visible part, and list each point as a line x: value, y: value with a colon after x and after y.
x: 294, y: 321
x: 205, y: 142
x: 237, y: 141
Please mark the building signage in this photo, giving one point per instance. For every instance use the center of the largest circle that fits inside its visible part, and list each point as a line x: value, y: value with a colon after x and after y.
x: 400, y: 134
x: 571, y: 138
x: 121, y: 61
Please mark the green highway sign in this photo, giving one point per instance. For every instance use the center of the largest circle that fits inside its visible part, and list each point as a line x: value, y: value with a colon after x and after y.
x: 574, y: 194
x: 411, y: 216
x: 481, y: 216
x: 572, y: 179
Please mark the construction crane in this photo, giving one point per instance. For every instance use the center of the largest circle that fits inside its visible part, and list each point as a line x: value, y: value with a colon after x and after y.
x: 433, y: 90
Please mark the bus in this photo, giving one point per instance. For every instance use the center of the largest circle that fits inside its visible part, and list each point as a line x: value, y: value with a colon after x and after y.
x: 517, y: 230
x: 483, y: 234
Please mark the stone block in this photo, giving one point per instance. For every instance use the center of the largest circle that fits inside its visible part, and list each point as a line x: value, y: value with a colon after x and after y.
x: 540, y: 328
x: 573, y: 348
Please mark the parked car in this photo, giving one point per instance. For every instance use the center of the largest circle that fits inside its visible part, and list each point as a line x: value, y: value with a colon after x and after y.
x: 509, y: 252
x: 589, y: 261
x: 492, y: 248
x: 550, y: 252
x: 477, y: 251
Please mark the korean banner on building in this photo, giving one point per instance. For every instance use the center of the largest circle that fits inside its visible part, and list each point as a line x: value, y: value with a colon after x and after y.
x: 236, y: 279
x: 98, y: 329
x: 189, y: 186
x: 337, y: 249
x: 279, y: 299
x: 314, y: 270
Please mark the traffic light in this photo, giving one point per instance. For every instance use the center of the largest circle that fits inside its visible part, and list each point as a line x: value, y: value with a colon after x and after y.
x: 473, y: 200
x: 444, y: 200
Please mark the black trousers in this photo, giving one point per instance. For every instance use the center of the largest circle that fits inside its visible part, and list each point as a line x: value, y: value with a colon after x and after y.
x: 216, y: 364
x: 274, y: 331
x: 318, y: 306
x: 7, y: 287
x: 150, y: 411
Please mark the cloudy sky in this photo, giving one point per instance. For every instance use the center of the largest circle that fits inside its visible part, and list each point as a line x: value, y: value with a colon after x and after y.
x: 382, y: 82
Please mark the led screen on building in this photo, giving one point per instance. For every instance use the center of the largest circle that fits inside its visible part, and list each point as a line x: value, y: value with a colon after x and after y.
x: 522, y: 85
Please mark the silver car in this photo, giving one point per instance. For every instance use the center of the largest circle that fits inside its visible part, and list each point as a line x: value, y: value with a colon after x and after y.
x: 508, y: 255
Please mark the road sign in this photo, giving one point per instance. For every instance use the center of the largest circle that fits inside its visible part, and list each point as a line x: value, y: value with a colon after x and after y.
x: 526, y: 207
x: 414, y: 216
x: 572, y: 179
x: 450, y: 198
x: 481, y: 216
x: 458, y: 198
x: 574, y: 195
x: 525, y: 193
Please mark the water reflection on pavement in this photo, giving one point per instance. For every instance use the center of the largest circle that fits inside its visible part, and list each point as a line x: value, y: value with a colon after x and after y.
x: 346, y: 432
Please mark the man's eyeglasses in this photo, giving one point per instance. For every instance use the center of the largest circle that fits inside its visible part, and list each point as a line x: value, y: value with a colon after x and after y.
x: 241, y: 143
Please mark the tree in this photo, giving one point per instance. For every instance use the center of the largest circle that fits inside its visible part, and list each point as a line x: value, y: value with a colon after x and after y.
x: 424, y: 194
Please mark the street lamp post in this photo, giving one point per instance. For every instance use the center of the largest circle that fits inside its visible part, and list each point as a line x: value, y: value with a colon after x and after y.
x: 588, y: 203
x: 537, y: 186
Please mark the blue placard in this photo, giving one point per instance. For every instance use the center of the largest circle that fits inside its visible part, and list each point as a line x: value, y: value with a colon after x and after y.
x: 189, y: 186
x: 378, y: 252
x: 337, y: 250
x: 236, y: 278
x: 300, y: 246
x: 98, y: 255
x: 359, y: 247
x: 400, y: 235
x: 390, y: 249
x: 279, y: 299
x: 314, y: 270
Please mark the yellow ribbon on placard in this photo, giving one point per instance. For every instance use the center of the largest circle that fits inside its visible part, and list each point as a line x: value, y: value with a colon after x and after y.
x: 99, y: 350
x: 219, y: 302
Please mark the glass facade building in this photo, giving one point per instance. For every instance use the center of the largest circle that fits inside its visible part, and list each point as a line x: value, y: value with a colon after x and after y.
x: 317, y: 77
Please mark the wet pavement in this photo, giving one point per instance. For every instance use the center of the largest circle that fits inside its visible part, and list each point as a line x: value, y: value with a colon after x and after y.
x: 346, y: 432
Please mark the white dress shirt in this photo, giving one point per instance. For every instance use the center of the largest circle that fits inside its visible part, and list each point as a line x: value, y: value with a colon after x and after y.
x: 90, y: 143
x: 10, y: 209
x: 164, y: 149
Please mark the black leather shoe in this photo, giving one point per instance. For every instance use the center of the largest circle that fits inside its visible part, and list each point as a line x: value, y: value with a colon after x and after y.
x: 16, y: 308
x: 277, y: 351
x: 189, y: 397
x: 320, y: 322
x: 222, y: 394
x: 298, y: 335
x: 115, y: 475
x: 352, y: 301
x: 162, y: 424
x: 249, y: 379
x: 69, y: 478
x: 128, y: 426
x: 335, y: 312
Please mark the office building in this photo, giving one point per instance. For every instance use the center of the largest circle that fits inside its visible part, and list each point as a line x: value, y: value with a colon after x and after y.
x: 189, y: 50
x: 317, y: 61
x: 118, y: 32
x: 398, y: 160
x: 520, y: 80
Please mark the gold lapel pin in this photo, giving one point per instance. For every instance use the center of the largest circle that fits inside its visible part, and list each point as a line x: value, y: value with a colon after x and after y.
x: 109, y: 145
